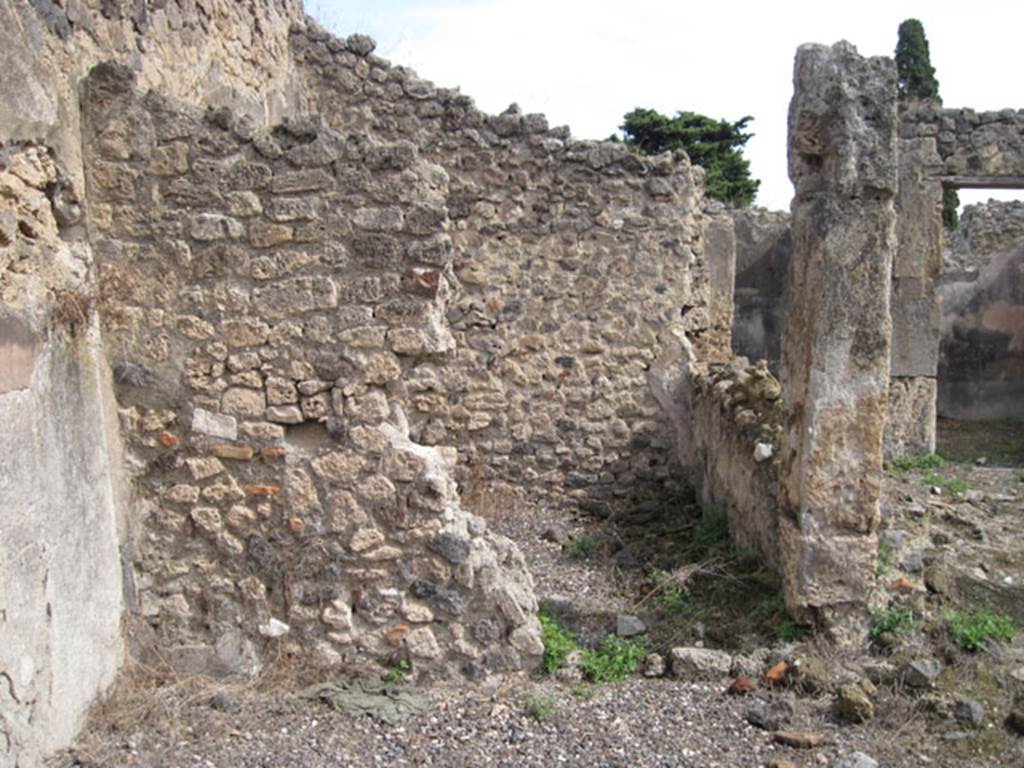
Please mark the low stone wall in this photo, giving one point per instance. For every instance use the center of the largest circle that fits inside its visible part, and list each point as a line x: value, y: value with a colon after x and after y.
x: 725, y: 419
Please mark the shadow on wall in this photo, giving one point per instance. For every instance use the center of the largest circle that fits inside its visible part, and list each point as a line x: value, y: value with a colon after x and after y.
x: 981, y: 364
x: 763, y: 245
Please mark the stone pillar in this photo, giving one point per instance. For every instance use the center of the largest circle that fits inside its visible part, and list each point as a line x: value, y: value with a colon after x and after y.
x: 910, y: 425
x: 835, y: 348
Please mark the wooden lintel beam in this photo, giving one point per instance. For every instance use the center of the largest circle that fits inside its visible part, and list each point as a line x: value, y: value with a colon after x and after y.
x: 983, y: 182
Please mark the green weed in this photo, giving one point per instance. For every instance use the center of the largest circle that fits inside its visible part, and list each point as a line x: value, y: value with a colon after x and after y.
x: 539, y: 706
x: 582, y: 547
x: 973, y: 630
x: 613, y: 660
x: 893, y: 621
x: 917, y: 463
x: 958, y: 486
x: 789, y: 631
x: 558, y: 641
x: 771, y: 612
x: 668, y: 596
x: 401, y: 669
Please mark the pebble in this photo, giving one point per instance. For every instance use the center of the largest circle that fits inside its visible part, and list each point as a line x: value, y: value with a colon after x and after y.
x: 798, y: 739
x: 856, y: 760
x: 921, y: 673
x: 854, y: 705
x: 969, y: 711
x: 627, y: 625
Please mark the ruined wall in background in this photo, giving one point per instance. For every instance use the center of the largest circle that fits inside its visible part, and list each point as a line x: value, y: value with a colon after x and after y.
x: 953, y: 147
x: 570, y: 260
x: 763, y: 245
x: 981, y: 362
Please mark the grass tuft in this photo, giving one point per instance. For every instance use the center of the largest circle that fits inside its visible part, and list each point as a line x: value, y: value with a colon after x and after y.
x: 974, y: 629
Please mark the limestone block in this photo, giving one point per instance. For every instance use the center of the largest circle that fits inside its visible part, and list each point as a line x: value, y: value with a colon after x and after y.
x: 239, y: 401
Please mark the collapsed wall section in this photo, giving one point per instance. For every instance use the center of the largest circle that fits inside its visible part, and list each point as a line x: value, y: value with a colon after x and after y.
x: 726, y: 424
x: 268, y: 300
x: 570, y: 260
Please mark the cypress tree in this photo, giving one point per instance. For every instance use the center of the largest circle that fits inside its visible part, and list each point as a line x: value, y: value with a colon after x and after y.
x: 916, y: 80
x: 916, y: 75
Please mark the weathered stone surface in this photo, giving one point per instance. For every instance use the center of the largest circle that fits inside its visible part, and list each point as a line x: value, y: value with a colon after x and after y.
x: 627, y: 625
x: 910, y: 416
x: 856, y: 760
x: 720, y: 249
x: 921, y: 673
x: 700, y: 662
x: 854, y: 705
x: 835, y: 349
x: 19, y: 350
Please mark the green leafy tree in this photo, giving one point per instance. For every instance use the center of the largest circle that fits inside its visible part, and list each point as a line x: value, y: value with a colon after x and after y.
x: 916, y: 80
x: 715, y: 145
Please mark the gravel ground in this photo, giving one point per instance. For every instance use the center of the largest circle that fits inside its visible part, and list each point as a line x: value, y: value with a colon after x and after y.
x: 637, y: 723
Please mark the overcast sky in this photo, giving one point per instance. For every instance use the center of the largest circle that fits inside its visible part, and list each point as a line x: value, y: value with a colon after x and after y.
x: 586, y: 64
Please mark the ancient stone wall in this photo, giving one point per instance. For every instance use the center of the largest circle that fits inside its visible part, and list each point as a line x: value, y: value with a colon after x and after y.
x: 268, y: 299
x: 974, y: 148
x: 570, y: 259
x: 981, y: 361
